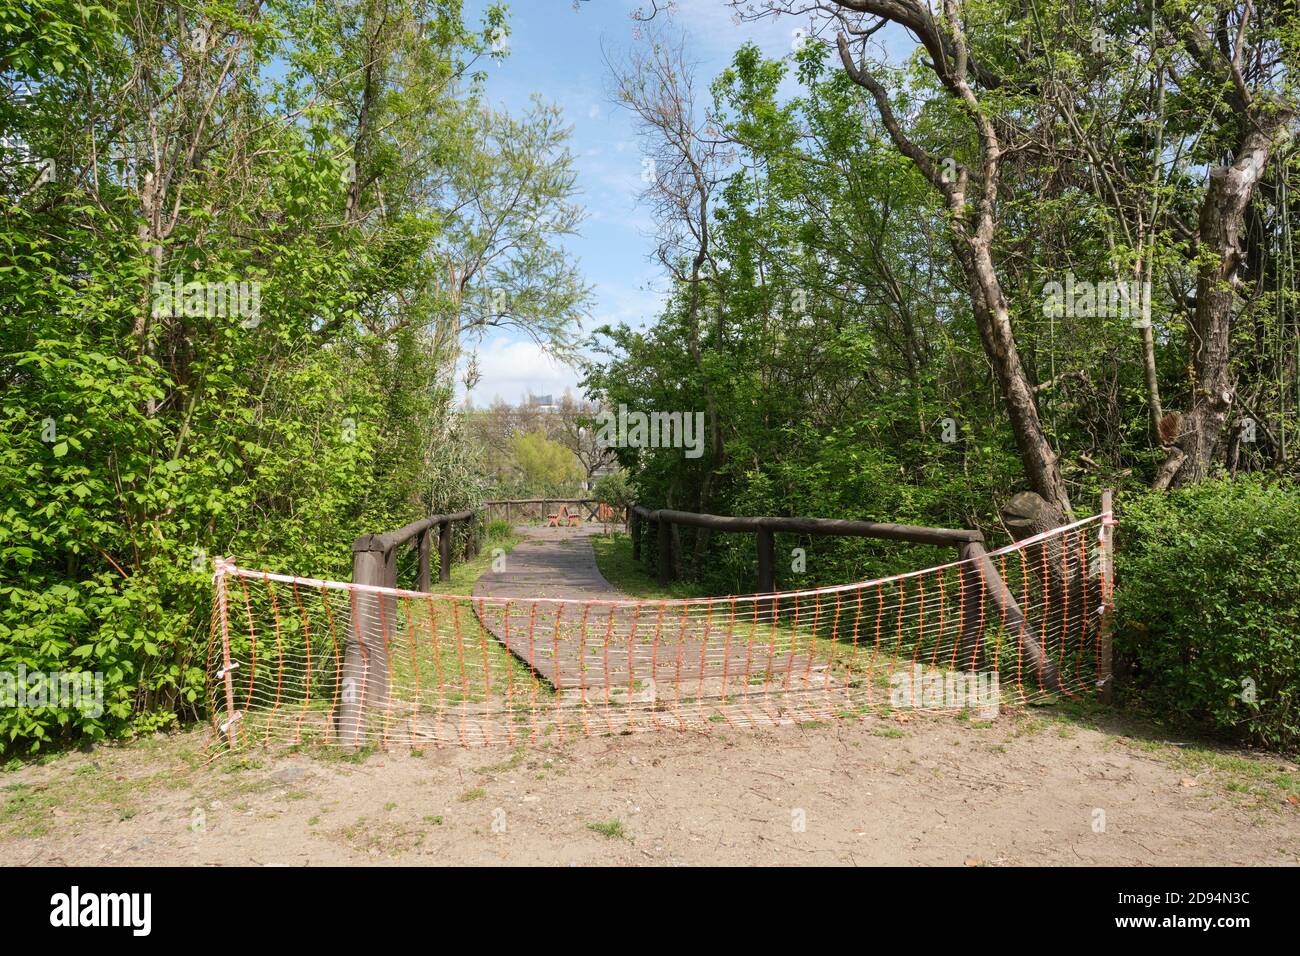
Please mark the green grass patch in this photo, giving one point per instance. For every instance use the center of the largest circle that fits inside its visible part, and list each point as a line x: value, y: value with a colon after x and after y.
x: 1253, y: 779
x: 610, y: 829
x: 614, y: 559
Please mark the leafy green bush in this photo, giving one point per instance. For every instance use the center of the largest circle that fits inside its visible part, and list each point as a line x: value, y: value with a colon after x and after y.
x: 614, y: 490
x: 139, y: 440
x: 1209, y: 606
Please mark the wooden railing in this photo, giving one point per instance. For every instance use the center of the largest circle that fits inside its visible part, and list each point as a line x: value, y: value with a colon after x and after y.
x: 969, y: 543
x: 374, y: 556
x: 534, y: 509
x: 374, y: 562
x: 979, y: 576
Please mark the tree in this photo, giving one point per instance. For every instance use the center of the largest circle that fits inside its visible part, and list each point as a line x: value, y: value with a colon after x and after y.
x: 1245, y: 55
x: 508, y: 200
x: 683, y: 166
x: 577, y: 431
x: 969, y: 189
x: 613, y: 490
x: 543, y: 467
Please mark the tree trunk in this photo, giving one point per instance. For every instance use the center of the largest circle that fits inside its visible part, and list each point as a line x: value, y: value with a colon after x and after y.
x: 1150, y: 372
x: 993, y: 318
x: 974, y: 222
x: 1223, y: 212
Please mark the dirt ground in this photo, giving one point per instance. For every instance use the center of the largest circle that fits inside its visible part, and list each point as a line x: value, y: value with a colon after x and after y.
x: 1033, y: 786
x: 1027, y: 788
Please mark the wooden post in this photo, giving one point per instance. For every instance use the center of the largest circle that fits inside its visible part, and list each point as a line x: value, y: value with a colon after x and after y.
x: 634, y: 527
x: 976, y: 609
x: 766, y: 561
x: 665, y: 552
x: 1038, y: 663
x: 364, y: 687
x: 232, y: 730
x: 1105, y: 667
x: 444, y: 551
x: 423, y: 546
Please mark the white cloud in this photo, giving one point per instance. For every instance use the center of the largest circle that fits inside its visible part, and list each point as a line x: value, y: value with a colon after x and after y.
x: 515, y: 368
x: 713, y: 25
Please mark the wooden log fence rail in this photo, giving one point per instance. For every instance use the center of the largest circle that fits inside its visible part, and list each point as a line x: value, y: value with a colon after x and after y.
x: 980, y: 577
x: 765, y: 528
x: 366, y: 667
x: 534, y: 509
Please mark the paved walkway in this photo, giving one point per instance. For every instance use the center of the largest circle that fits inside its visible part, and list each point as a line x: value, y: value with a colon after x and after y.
x: 550, y: 563
x: 634, y: 645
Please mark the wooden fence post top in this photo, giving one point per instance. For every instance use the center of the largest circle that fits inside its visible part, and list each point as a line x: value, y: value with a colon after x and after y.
x: 368, y: 542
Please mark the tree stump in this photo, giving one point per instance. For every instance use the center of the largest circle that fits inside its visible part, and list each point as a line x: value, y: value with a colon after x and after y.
x: 1060, y: 564
x: 1028, y: 514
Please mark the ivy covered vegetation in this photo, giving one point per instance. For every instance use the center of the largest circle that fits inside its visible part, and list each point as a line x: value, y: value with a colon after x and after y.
x: 230, y: 310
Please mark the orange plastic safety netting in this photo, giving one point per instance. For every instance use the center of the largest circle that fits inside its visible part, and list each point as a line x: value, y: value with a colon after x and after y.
x: 299, y: 659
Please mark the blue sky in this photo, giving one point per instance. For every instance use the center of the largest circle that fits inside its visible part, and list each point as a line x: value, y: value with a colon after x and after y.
x: 555, y: 51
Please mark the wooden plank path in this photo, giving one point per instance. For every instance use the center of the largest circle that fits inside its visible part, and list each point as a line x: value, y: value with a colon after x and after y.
x: 578, y: 646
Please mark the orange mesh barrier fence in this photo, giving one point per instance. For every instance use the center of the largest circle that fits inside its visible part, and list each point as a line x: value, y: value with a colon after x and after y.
x: 299, y: 659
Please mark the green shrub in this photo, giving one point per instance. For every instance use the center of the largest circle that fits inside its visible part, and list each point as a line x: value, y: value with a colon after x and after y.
x: 498, y: 530
x: 1209, y: 606
x: 614, y: 490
